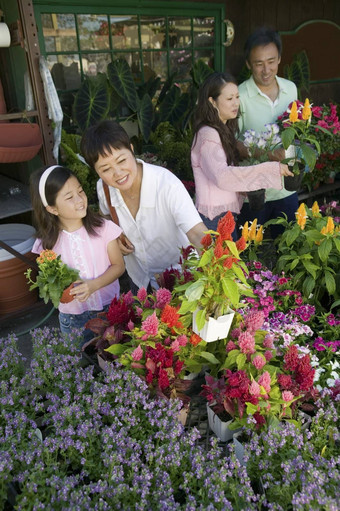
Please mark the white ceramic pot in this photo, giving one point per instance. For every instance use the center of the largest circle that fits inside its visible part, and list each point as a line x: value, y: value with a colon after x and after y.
x: 214, y: 329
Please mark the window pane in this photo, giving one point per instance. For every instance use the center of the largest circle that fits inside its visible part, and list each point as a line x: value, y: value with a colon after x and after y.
x: 155, y: 64
x: 124, y: 32
x: 59, y: 32
x: 95, y: 63
x: 181, y: 62
x: 204, y: 32
x: 206, y: 55
x: 93, y: 32
x: 153, y: 32
x: 179, y: 32
x: 65, y: 71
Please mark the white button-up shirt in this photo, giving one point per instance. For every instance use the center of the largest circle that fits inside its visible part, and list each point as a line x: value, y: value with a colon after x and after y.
x: 166, y: 213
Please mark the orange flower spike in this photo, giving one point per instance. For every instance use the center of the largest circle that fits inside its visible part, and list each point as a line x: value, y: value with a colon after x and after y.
x: 226, y: 225
x: 252, y: 230
x: 324, y: 232
x: 241, y: 244
x: 315, y: 209
x: 259, y: 235
x: 206, y: 241
x: 293, y: 116
x: 330, y: 225
x: 306, y: 111
x: 301, y: 216
x: 245, y: 231
x: 218, y: 250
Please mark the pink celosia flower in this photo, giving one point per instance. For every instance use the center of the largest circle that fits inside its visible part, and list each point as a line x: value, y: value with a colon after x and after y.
x: 142, y: 294
x: 131, y: 325
x: 128, y: 298
x: 150, y: 325
x: 268, y: 355
x: 231, y: 346
x: 175, y: 346
x: 235, y: 333
x: 254, y: 320
x: 137, y: 354
x: 182, y: 340
x: 246, y: 343
x: 268, y: 342
x: 255, y: 389
x: 163, y: 296
x: 287, y: 396
x: 259, y: 362
x: 264, y: 380
x: 139, y: 311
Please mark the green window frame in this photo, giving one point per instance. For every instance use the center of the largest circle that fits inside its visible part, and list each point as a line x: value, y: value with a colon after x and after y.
x: 146, y: 15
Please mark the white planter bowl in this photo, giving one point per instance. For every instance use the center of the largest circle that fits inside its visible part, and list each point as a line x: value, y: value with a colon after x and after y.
x: 220, y: 428
x: 214, y: 329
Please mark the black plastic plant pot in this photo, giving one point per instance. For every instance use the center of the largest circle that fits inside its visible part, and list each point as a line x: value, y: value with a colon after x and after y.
x: 293, y: 183
x: 256, y: 199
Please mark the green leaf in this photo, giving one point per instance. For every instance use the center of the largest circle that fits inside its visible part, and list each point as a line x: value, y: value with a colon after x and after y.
x: 308, y: 286
x: 324, y: 249
x: 92, y: 102
x: 309, y: 155
x: 294, y: 263
x: 230, y: 290
x: 145, y: 116
x: 287, y: 137
x: 200, y: 318
x: 206, y: 258
x: 337, y: 244
x: 330, y: 283
x: 116, y: 349
x: 313, y: 235
x: 310, y: 267
x: 200, y: 71
x: 291, y: 236
x: 241, y: 360
x: 239, y: 273
x: 232, y: 247
x: 120, y: 77
x: 210, y: 357
x: 187, y: 307
x: 195, y: 291
x: 174, y: 105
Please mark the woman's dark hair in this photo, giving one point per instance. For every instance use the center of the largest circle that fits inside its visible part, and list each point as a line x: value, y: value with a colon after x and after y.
x: 261, y: 37
x: 207, y: 115
x: 46, y: 224
x: 101, y: 138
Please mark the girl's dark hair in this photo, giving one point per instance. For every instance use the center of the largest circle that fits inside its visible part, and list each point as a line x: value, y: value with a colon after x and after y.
x: 47, y: 225
x: 207, y: 115
x: 101, y: 138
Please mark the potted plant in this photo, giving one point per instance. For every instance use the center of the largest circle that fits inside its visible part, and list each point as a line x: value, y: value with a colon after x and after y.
x: 218, y: 282
x: 299, y: 137
x: 258, y: 146
x: 54, y: 279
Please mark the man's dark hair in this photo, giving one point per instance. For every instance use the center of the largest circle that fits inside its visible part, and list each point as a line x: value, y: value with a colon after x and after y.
x: 261, y: 37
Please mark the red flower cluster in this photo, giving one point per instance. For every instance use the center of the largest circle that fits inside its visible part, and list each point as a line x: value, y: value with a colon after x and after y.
x: 120, y: 312
x: 171, y: 317
x: 301, y: 379
x: 160, y: 365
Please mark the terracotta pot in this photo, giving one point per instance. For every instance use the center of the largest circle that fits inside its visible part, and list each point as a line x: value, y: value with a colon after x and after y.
x: 257, y: 199
x: 66, y: 297
x: 19, y: 141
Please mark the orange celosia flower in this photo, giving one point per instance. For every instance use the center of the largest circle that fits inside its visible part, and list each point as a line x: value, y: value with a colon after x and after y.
x: 225, y: 226
x: 330, y: 225
x: 206, y: 241
x: 293, y: 116
x: 228, y: 262
x: 245, y: 231
x: 306, y: 111
x: 171, y: 317
x: 46, y: 255
x: 259, y: 235
x: 301, y: 216
x: 218, y: 250
x: 195, y: 339
x: 315, y: 209
x: 241, y: 244
x: 252, y: 230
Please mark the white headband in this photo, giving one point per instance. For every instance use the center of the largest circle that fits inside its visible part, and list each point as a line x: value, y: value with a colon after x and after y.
x: 42, y: 183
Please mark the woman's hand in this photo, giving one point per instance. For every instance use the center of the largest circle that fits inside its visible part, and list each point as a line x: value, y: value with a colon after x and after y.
x: 125, y: 245
x: 284, y: 170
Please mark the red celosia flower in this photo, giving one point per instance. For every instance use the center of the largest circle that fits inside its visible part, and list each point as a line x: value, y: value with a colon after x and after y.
x: 291, y: 358
x: 260, y: 419
x: 178, y: 366
x: 241, y: 244
x: 225, y: 226
x: 195, y: 339
x: 163, y: 379
x: 268, y: 355
x: 119, y: 312
x: 171, y: 317
x: 285, y: 381
x: 206, y: 240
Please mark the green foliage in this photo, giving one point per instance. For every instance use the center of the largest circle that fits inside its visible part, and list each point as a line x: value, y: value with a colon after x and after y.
x: 298, y: 72
x: 92, y: 101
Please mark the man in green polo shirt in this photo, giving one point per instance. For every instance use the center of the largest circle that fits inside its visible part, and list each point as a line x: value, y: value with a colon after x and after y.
x: 263, y: 97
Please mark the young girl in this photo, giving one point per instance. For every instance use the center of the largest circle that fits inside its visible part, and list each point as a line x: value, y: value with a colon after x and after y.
x: 84, y: 240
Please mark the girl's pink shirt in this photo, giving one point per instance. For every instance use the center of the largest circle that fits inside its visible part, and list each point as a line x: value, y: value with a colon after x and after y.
x: 88, y: 254
x: 219, y: 185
